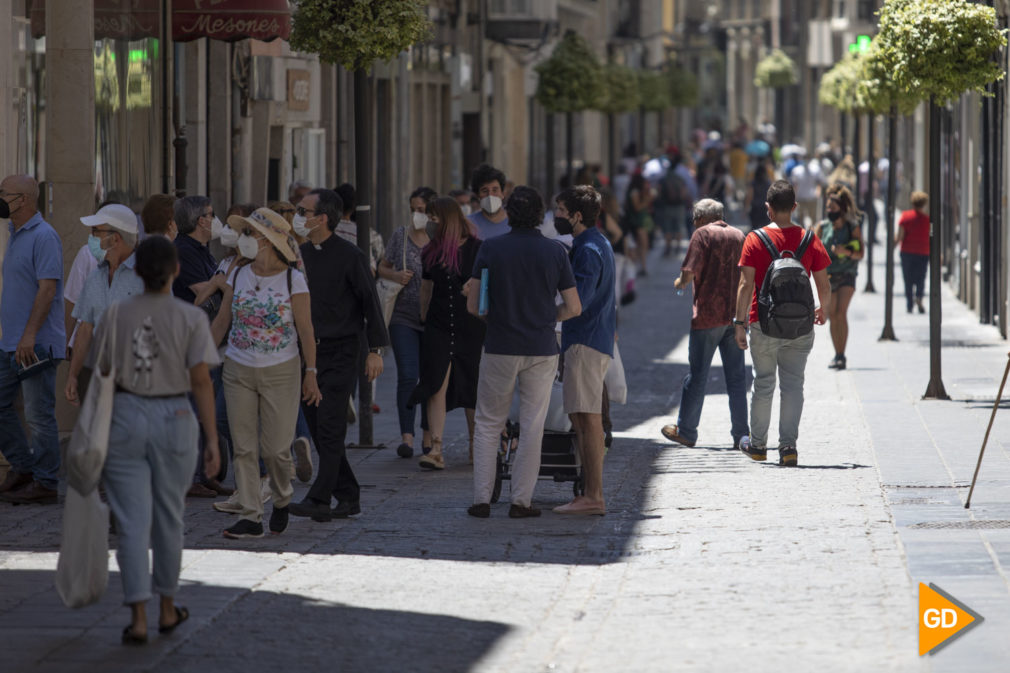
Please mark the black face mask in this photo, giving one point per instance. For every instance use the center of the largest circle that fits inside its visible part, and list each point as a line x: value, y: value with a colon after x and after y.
x: 5, y: 209
x: 563, y: 225
x: 834, y: 216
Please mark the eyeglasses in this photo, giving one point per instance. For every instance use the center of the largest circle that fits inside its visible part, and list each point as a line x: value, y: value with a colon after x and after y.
x: 304, y: 211
x: 286, y: 211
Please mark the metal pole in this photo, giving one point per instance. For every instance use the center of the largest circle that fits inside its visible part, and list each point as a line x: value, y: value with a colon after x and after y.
x: 611, y: 145
x: 870, y: 208
x: 935, y: 389
x: 166, y: 55
x: 985, y: 440
x: 569, y: 154
x: 549, y: 152
x: 363, y: 178
x: 892, y: 176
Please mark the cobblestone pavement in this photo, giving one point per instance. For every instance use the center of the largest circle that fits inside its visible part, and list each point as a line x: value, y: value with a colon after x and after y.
x: 705, y: 561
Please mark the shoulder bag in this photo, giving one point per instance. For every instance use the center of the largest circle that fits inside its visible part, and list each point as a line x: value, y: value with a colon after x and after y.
x: 389, y: 290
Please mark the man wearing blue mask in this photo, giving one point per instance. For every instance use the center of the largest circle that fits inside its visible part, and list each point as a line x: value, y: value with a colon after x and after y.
x: 112, y: 241
x: 33, y: 341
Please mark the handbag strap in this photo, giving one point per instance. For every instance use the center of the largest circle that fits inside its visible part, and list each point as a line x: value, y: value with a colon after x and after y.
x: 105, y: 355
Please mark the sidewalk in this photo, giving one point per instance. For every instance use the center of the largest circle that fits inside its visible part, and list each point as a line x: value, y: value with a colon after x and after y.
x: 705, y: 561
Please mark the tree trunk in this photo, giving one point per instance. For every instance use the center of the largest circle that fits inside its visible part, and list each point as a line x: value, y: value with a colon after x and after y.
x: 935, y: 389
x: 569, y: 153
x: 612, y: 146
x: 870, y: 207
x: 892, y: 177
x: 363, y: 178
x: 549, y: 177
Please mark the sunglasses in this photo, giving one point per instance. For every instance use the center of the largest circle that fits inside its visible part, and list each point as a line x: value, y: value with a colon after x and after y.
x: 304, y: 211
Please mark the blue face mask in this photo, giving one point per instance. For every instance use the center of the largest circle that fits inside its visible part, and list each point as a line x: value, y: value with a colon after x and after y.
x: 95, y: 246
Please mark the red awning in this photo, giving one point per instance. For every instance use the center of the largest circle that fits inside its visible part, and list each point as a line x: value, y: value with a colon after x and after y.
x: 227, y: 20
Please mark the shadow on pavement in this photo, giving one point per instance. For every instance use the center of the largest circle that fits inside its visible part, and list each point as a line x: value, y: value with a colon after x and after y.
x: 230, y: 629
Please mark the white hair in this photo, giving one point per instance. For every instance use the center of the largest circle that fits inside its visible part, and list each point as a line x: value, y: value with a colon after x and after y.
x: 708, y: 210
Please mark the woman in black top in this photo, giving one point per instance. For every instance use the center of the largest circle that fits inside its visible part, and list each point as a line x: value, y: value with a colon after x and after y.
x: 757, y: 211
x: 452, y: 339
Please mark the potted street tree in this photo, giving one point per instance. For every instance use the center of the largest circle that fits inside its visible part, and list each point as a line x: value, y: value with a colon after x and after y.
x: 618, y: 94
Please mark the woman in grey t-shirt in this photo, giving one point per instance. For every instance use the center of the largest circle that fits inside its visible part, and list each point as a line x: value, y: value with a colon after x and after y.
x: 163, y: 351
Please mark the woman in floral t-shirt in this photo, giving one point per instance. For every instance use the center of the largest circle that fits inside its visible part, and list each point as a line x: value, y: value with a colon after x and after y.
x: 265, y: 313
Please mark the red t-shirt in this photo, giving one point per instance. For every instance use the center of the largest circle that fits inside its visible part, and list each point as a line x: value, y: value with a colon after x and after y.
x: 755, y: 255
x: 916, y: 240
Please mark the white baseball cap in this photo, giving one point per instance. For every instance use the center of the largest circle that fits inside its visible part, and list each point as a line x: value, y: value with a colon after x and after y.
x: 117, y: 216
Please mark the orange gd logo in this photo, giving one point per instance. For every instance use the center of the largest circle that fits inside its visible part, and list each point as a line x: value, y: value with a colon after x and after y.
x: 942, y: 619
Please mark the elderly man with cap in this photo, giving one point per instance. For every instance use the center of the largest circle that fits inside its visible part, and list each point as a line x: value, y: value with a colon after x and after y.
x: 112, y: 241
x: 33, y: 341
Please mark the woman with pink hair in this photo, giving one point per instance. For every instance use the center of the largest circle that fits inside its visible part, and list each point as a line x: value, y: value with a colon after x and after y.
x: 452, y: 339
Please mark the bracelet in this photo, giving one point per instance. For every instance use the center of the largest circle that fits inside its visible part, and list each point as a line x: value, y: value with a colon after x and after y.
x: 312, y: 369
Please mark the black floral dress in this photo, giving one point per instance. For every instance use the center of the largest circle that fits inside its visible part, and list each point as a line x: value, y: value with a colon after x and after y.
x: 451, y: 335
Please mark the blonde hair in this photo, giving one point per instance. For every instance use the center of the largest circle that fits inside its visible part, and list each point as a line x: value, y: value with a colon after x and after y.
x: 919, y: 200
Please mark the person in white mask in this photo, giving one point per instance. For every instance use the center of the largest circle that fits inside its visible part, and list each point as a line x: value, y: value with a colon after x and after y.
x: 402, y: 264
x: 463, y: 198
x: 488, y: 183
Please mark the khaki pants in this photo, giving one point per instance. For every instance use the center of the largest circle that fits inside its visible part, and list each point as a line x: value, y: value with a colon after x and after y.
x: 262, y: 413
x: 495, y: 385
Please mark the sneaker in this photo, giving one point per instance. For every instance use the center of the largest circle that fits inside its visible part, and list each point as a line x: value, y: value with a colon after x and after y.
x: 303, y: 459
x: 405, y: 450
x: 243, y: 529
x: 838, y: 362
x: 787, y: 456
x: 754, y: 452
x: 229, y: 506
x: 278, y: 520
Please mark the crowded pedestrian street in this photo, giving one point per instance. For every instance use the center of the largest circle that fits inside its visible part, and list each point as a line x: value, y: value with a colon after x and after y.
x: 705, y: 560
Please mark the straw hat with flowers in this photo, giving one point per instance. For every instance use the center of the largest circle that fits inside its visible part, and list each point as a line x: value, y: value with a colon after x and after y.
x: 273, y: 227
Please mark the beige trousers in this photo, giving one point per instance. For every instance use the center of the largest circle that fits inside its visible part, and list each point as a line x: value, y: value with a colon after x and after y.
x: 262, y: 413
x: 495, y: 385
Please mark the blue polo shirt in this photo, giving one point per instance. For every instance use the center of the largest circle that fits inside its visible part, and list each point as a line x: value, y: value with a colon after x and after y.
x: 486, y: 228
x: 196, y: 265
x: 34, y: 253
x: 98, y: 294
x: 525, y: 273
x: 594, y: 269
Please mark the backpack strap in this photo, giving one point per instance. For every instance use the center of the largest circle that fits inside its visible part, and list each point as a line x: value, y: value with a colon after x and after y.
x: 767, y: 241
x: 289, y: 280
x: 808, y: 238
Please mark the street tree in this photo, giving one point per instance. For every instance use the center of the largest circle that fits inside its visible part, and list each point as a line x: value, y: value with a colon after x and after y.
x: 569, y: 81
x: 937, y: 50
x: 354, y: 34
x: 618, y: 94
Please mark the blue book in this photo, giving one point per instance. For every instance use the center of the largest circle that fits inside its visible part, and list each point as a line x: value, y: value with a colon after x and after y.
x: 482, y: 306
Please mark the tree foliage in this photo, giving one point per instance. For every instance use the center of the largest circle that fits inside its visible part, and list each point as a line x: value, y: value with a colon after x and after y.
x: 839, y: 84
x: 775, y: 71
x: 875, y: 89
x: 939, y: 49
x: 683, y: 86
x: 571, y: 79
x: 353, y: 33
x: 619, y: 90
x: 654, y: 90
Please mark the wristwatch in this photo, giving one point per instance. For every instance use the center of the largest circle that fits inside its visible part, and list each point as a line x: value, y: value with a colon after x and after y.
x: 742, y: 323
x: 377, y: 350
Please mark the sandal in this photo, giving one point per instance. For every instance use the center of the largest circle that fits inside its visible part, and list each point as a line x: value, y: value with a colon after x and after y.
x: 181, y: 615
x: 131, y: 638
x: 433, y: 460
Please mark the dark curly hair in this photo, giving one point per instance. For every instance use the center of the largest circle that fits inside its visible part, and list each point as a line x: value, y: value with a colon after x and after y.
x: 484, y: 174
x: 525, y: 208
x: 582, y: 199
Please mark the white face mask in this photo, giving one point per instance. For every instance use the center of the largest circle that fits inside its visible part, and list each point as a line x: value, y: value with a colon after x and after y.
x: 229, y: 237
x: 490, y: 204
x: 298, y: 224
x: 466, y: 209
x: 420, y: 220
x: 248, y: 246
x: 216, y: 227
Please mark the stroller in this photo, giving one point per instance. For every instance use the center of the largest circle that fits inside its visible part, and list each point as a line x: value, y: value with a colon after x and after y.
x: 559, y: 457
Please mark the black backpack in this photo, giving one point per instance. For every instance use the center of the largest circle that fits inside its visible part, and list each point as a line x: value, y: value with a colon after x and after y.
x: 786, y: 301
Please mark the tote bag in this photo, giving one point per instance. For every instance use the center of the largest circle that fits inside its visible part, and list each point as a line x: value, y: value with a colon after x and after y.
x: 617, y: 386
x: 389, y: 290
x: 89, y: 442
x: 82, y: 571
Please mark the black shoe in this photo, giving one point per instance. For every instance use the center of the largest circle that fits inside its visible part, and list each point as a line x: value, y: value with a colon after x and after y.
x: 787, y: 456
x: 520, y: 512
x: 243, y: 529
x: 278, y: 520
x: 345, y: 509
x: 922, y: 309
x: 608, y: 439
x: 838, y: 362
x: 317, y: 511
x: 481, y: 510
x: 405, y: 450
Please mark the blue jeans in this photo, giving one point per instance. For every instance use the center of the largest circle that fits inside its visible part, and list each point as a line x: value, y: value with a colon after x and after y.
x: 406, y: 342
x: 913, y: 270
x: 702, y: 345
x: 42, y: 458
x: 152, y: 454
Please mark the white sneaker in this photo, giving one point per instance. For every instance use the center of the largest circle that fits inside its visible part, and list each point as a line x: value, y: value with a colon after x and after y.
x: 229, y: 506
x: 265, y: 493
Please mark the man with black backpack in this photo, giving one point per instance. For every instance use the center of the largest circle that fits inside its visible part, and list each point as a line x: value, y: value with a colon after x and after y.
x: 775, y: 299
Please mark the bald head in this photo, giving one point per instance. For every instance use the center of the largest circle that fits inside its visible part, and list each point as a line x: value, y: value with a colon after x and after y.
x: 21, y: 192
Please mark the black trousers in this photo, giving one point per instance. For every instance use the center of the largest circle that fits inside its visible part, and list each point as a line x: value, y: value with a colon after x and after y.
x: 338, y: 362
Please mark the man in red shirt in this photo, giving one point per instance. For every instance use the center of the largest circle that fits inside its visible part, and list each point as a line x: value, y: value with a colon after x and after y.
x: 913, y: 237
x: 711, y: 262
x: 772, y: 356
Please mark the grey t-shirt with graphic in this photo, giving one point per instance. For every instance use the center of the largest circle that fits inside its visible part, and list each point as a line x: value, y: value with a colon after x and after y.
x: 157, y: 339
x: 407, y: 310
